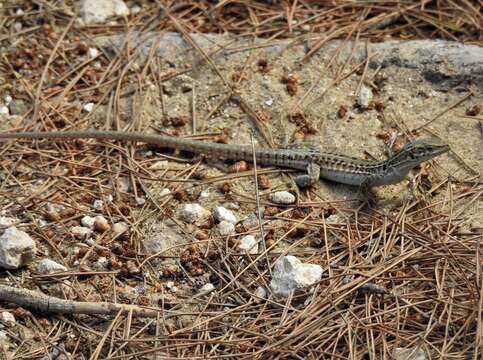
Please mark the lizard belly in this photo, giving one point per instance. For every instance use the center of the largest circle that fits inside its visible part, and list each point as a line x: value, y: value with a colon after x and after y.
x: 343, y: 177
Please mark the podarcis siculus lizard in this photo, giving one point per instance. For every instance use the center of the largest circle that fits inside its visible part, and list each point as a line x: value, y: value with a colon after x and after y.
x: 314, y: 162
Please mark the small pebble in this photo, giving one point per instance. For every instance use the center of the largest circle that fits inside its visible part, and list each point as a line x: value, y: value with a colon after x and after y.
x: 204, y: 194
x: 4, y: 110
x: 223, y: 214
x: 165, y: 192
x: 248, y: 243
x: 101, y: 224
x: 47, y: 266
x: 206, y: 289
x: 88, y: 107
x: 364, y: 97
x: 269, y: 102
x: 226, y: 228
x: 88, y: 221
x: 92, y: 52
x: 261, y: 292
x: 98, y: 204
x: 7, y: 318
x: 80, y: 232
x: 282, y: 197
x: 192, y: 213
x: 119, y: 228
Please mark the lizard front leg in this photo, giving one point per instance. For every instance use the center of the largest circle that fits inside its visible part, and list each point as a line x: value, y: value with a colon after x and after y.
x: 367, y: 192
x: 310, y: 178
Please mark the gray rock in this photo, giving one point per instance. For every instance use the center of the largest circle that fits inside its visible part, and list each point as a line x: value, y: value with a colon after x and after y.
x: 194, y: 213
x: 17, y: 249
x: 282, y: 197
x: 47, y: 266
x: 290, y: 274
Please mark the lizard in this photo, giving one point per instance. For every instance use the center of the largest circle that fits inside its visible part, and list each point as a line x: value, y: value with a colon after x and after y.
x: 314, y: 162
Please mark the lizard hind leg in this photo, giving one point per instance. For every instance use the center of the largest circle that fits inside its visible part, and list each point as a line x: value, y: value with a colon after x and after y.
x: 310, y: 178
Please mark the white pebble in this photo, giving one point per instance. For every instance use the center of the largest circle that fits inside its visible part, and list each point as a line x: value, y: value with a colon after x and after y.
x: 98, y: 204
x: 261, y: 292
x: 225, y: 228
x: 88, y: 107
x: 47, y: 266
x: 248, y: 243
x: 290, y: 274
x: 88, y: 221
x: 204, y: 194
x: 269, y: 102
x: 8, y: 99
x: 7, y: 318
x: 192, y: 213
x: 364, y: 97
x: 282, y: 197
x: 206, y: 289
x: 223, y: 214
x: 92, y: 52
x: 4, y: 110
x: 165, y: 192
x: 119, y: 228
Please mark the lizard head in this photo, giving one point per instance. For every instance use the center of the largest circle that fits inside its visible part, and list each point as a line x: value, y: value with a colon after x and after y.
x: 418, y: 151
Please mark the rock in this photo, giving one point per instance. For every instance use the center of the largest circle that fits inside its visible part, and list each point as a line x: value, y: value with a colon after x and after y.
x: 47, y: 266
x: 206, y: 289
x: 282, y: 197
x: 225, y: 228
x: 248, y: 243
x: 17, y: 249
x: 413, y: 353
x: 290, y: 274
x: 98, y: 204
x: 223, y: 214
x: 119, y: 228
x: 7, y: 318
x: 88, y: 222
x: 80, y: 232
x: 194, y: 213
x: 101, y: 224
x: 165, y: 192
x: 92, y: 52
x: 261, y: 292
x: 98, y: 11
x: 88, y: 107
x: 364, y: 97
